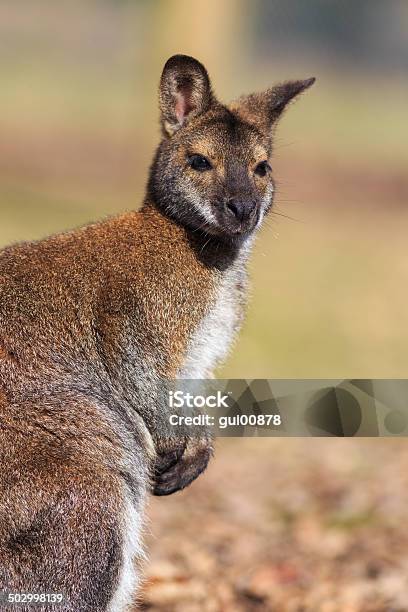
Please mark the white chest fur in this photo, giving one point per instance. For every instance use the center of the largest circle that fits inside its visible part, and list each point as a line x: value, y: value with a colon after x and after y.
x: 131, y: 552
x: 213, y: 337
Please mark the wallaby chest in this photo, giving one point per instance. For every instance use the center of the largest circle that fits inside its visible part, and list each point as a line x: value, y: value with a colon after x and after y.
x: 211, y: 339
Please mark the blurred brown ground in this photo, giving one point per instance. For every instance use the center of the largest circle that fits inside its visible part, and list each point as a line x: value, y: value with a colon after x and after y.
x: 306, y: 525
x: 285, y: 525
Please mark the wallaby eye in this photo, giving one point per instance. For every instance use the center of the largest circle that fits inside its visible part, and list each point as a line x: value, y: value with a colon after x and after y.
x: 262, y: 168
x: 199, y: 163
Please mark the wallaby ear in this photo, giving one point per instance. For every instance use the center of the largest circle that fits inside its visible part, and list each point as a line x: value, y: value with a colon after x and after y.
x: 185, y: 92
x: 264, y: 109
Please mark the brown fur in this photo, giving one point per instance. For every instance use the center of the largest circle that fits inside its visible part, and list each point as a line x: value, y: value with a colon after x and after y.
x: 92, y: 320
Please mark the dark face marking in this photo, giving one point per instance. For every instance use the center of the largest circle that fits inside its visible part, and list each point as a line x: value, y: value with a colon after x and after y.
x: 216, y: 175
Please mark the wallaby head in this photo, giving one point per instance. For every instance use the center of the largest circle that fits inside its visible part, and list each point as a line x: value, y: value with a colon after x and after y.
x: 212, y: 171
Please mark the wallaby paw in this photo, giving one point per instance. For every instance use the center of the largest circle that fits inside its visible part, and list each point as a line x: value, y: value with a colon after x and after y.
x: 175, y: 470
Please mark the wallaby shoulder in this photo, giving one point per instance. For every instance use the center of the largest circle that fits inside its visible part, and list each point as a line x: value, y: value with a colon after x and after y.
x: 98, y: 290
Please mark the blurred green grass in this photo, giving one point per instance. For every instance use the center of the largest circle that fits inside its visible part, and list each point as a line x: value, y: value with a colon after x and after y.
x: 329, y: 299
x: 330, y: 287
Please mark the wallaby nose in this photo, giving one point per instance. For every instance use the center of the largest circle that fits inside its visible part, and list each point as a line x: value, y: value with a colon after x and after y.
x: 241, y: 209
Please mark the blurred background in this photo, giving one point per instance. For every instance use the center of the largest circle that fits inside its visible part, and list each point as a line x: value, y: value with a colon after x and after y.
x: 274, y: 524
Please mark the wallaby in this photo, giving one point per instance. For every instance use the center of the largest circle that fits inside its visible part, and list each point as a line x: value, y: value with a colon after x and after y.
x: 93, y: 319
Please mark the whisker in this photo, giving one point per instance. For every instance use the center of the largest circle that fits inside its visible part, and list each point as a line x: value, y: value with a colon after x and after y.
x: 279, y: 214
x: 283, y: 145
